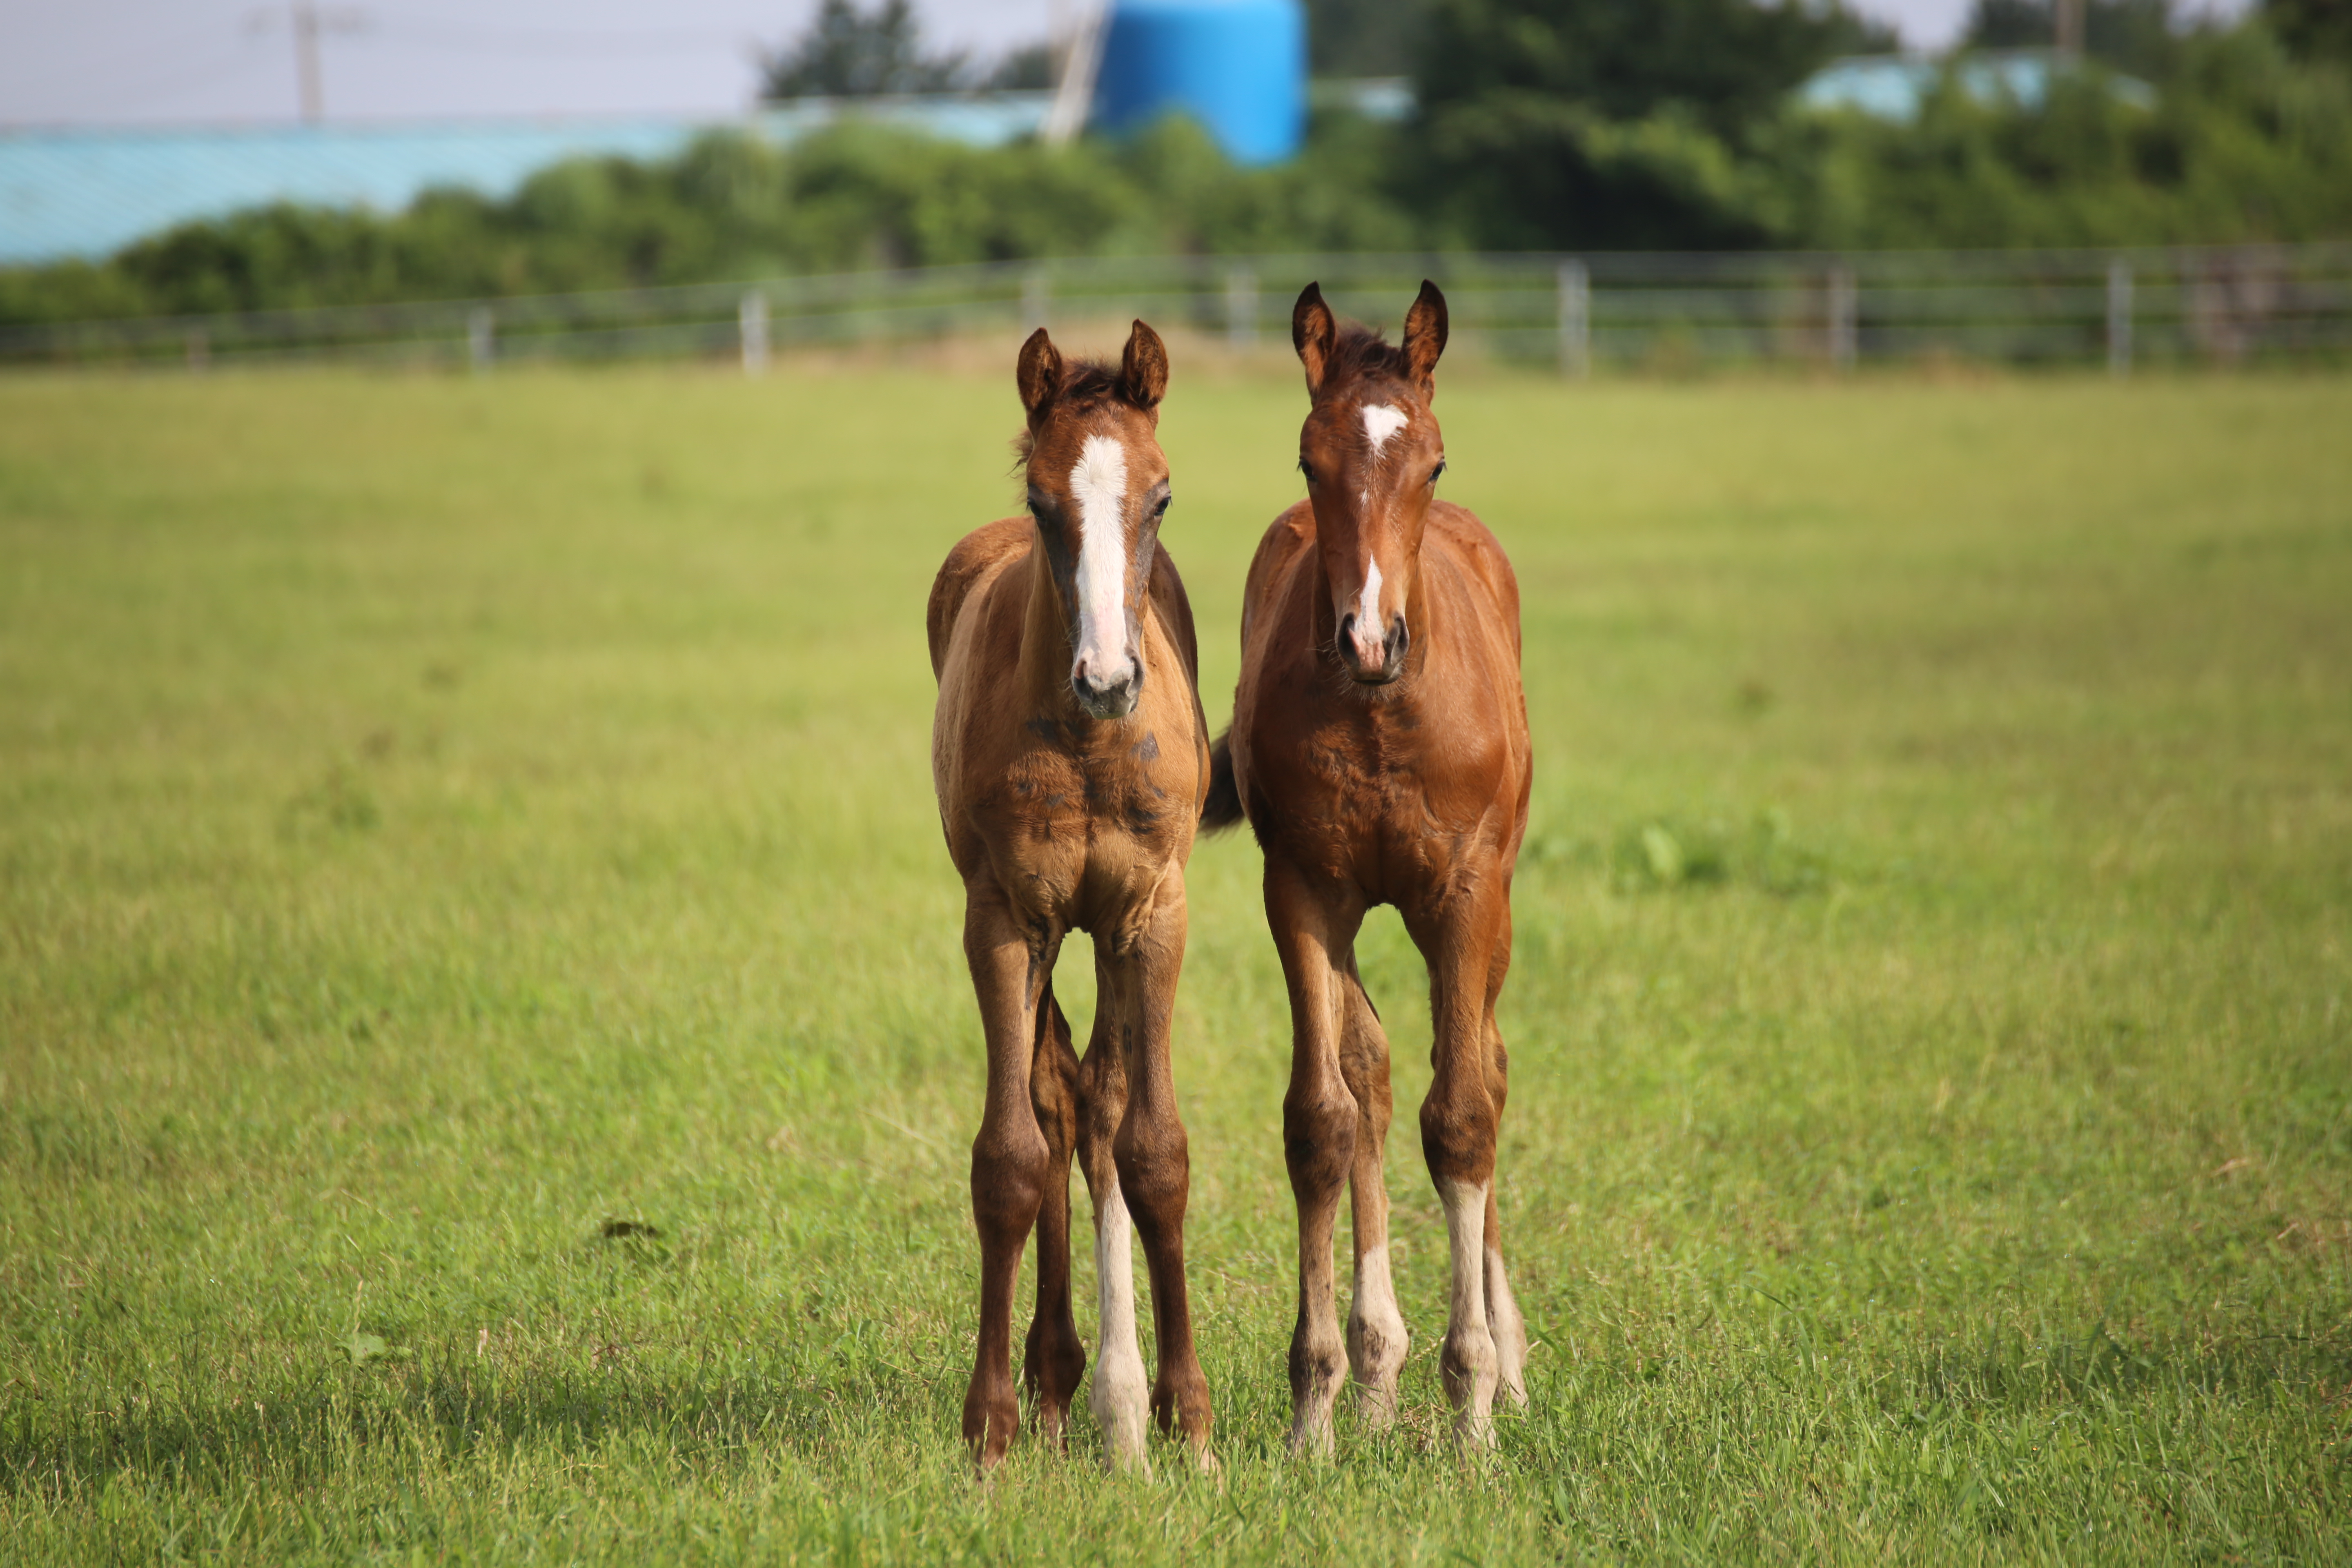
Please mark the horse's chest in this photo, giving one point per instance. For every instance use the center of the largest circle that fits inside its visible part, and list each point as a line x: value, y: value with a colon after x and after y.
x: 1372, y: 799
x: 1068, y: 831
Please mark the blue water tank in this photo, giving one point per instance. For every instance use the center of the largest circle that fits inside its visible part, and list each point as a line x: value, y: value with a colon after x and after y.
x: 1238, y: 66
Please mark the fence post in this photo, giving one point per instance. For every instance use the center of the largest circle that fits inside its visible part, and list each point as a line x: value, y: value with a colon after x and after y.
x: 2119, y: 317
x: 1575, y: 319
x: 752, y: 325
x: 479, y: 330
x: 1241, y: 308
x: 199, y: 344
x: 1844, y: 333
x: 1033, y: 300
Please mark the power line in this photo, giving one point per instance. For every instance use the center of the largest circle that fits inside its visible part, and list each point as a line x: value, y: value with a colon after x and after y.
x: 561, y: 41
x: 173, y: 83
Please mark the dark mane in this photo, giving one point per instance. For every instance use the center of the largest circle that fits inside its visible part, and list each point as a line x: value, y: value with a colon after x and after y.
x: 1086, y: 383
x: 1361, y: 352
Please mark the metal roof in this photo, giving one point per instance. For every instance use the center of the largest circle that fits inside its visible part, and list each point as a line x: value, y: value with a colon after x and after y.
x: 84, y: 192
x: 1893, y: 87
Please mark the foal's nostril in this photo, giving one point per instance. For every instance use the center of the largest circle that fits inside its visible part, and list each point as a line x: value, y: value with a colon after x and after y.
x: 1106, y: 698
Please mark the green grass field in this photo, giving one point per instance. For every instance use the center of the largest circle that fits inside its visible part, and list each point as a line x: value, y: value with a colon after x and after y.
x: 440, y: 818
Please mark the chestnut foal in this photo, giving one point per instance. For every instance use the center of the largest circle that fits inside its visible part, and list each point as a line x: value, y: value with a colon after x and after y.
x: 1071, y: 758
x: 1379, y: 750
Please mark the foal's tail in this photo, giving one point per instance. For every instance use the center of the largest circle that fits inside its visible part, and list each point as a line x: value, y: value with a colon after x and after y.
x: 1223, y: 806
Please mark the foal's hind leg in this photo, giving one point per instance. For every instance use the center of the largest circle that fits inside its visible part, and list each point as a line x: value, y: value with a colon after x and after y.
x: 1055, y: 1359
x: 1503, y: 1319
x: 1376, y: 1332
x: 1155, y: 1162
x: 1120, y: 1395
x: 1457, y: 1137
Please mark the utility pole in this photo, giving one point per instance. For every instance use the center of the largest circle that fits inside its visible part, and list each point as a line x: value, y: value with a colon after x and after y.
x: 306, y: 61
x: 1074, y: 92
x: 2070, y: 28
x: 309, y: 24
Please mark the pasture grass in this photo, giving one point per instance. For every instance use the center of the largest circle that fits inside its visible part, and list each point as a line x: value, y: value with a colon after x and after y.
x: 484, y: 1063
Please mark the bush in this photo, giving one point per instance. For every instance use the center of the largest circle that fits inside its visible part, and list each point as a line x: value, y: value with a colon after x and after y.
x: 2240, y: 145
x: 852, y: 196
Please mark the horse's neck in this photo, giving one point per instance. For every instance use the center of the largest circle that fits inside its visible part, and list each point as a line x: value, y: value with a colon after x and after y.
x: 1046, y: 652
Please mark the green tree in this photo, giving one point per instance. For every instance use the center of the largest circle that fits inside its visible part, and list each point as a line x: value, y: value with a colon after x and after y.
x: 2312, y: 29
x: 2240, y: 145
x: 847, y: 53
x: 1723, y: 63
x: 2141, y: 36
x: 1620, y: 123
x: 1364, y: 37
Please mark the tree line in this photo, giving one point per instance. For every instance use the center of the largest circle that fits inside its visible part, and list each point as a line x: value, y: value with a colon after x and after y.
x: 1541, y: 124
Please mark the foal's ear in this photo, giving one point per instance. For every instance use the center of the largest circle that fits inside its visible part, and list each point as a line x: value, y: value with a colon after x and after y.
x: 1040, y: 373
x: 1312, y: 332
x: 1144, y: 368
x: 1424, y: 338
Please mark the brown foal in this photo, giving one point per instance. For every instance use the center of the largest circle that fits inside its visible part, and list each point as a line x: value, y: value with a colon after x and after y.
x: 1071, y: 758
x: 1379, y: 750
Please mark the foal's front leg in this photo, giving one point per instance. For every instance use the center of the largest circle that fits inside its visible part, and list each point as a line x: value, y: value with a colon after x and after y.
x: 1010, y: 1158
x: 1054, y: 1359
x: 1312, y: 931
x: 1377, y: 1341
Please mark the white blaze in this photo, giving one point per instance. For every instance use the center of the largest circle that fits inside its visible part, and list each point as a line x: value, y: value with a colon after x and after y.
x: 1381, y: 422
x: 1098, y: 483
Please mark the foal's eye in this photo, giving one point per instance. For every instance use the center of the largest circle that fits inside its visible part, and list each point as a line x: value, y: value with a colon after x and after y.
x: 1161, y: 510
x: 1308, y: 472
x: 1437, y: 470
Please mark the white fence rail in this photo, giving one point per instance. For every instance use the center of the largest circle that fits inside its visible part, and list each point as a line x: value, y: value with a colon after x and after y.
x: 2217, y: 305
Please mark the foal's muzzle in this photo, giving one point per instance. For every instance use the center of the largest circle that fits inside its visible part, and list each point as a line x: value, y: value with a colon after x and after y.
x: 1373, y: 659
x: 1114, y: 698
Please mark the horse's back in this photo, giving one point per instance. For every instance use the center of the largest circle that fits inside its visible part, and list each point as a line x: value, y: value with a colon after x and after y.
x: 977, y: 556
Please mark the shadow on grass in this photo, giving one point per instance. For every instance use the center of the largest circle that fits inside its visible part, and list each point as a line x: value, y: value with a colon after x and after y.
x: 449, y: 1413
x: 453, y: 1412
x: 1998, y: 1368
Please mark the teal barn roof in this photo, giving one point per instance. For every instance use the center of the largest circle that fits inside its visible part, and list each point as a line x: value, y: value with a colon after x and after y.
x: 1893, y: 87
x: 88, y: 193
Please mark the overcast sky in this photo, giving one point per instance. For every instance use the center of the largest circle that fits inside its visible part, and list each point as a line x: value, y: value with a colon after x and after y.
x: 107, y: 62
